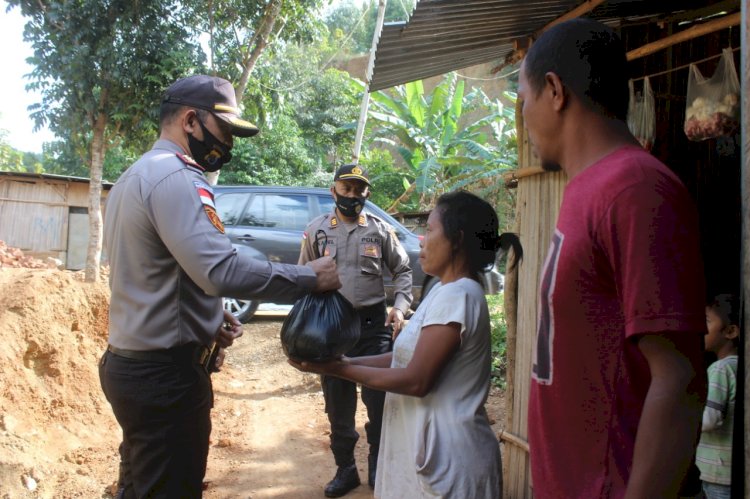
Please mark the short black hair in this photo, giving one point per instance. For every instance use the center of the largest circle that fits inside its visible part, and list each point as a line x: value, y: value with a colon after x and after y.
x: 169, y: 110
x: 727, y: 307
x: 589, y: 58
x: 470, y: 224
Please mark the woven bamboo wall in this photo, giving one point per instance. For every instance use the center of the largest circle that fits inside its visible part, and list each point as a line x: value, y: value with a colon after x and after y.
x: 537, y: 207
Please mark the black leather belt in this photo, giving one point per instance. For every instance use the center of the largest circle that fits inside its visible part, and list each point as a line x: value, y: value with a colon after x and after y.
x: 188, y: 353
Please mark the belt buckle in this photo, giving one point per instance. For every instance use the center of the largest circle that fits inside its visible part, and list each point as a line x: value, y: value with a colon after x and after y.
x: 205, y: 357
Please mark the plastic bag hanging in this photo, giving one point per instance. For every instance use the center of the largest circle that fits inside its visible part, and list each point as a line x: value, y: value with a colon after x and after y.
x: 320, y: 326
x: 713, y: 104
x: 642, y: 114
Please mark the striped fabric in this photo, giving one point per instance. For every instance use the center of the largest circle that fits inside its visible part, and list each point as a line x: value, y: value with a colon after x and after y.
x: 714, y: 455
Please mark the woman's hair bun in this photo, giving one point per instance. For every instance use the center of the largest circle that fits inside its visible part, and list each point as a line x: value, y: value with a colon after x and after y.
x: 508, y: 240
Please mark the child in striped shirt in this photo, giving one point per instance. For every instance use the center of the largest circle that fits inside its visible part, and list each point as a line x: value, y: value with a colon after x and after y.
x: 714, y: 454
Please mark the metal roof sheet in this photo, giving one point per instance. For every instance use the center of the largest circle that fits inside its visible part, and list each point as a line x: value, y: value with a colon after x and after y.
x: 445, y: 35
x: 52, y: 176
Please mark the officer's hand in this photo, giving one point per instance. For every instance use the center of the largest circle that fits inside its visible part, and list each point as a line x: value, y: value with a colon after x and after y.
x: 225, y: 336
x: 220, y: 359
x: 395, y: 318
x: 325, y: 271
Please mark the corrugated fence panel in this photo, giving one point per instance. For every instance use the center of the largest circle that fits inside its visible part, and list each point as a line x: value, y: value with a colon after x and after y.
x: 33, y: 216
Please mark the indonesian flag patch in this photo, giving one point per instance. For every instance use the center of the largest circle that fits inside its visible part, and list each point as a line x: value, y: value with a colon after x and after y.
x: 206, y: 196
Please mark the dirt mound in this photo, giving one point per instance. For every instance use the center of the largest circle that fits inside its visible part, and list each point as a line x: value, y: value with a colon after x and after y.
x: 58, y: 437
x: 54, y: 417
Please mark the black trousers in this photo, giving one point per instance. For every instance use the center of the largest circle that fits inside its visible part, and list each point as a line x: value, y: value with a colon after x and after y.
x: 341, y: 395
x: 164, y: 412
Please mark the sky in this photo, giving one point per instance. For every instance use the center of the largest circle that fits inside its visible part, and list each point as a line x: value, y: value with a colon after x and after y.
x: 14, y: 99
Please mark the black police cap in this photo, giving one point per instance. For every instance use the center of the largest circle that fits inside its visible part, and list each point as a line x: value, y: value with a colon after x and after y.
x: 213, y: 94
x: 351, y: 172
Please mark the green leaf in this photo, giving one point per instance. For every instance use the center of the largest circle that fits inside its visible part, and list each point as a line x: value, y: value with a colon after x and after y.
x: 415, y: 101
x: 458, y: 99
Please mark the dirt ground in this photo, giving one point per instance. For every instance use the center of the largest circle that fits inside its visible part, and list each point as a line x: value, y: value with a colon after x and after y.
x: 58, y: 437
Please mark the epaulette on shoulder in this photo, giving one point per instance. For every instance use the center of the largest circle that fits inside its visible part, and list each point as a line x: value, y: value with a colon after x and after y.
x: 374, y: 217
x: 318, y: 220
x: 188, y: 160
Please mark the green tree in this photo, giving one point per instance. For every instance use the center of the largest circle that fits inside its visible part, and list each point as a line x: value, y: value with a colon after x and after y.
x: 439, y: 150
x: 303, y: 106
x: 294, y: 79
x: 239, y: 31
x: 101, y: 67
x: 277, y: 156
x: 357, y: 21
x: 10, y: 159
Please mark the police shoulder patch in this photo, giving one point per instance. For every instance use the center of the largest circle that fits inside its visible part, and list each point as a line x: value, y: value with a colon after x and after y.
x: 206, y: 197
x: 214, y: 218
x: 205, y: 194
x: 189, y: 161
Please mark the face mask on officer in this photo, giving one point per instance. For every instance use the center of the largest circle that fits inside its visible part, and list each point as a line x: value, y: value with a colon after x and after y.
x: 210, y: 153
x: 349, y: 207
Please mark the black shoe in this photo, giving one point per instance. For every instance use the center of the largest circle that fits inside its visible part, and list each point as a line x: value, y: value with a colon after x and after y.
x: 372, y: 468
x: 345, y: 480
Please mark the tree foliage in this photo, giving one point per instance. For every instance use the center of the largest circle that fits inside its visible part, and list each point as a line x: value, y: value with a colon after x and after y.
x: 240, y: 30
x: 113, y: 58
x: 447, y: 139
x: 356, y: 20
x: 101, y: 67
x: 10, y: 159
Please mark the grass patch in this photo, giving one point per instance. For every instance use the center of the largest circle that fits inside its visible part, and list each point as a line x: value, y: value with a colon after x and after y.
x: 499, y: 334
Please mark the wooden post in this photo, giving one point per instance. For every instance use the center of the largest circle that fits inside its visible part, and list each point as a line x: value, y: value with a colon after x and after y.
x: 368, y: 76
x: 745, y: 251
x: 688, y: 34
x: 586, y: 7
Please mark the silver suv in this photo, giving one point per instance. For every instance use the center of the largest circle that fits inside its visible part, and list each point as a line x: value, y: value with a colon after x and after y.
x: 267, y: 222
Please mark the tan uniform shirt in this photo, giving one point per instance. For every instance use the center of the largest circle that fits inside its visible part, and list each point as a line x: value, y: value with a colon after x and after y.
x: 170, y: 261
x: 361, y: 250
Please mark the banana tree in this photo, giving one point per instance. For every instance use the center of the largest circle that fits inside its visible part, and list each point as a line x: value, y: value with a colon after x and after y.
x: 440, y: 150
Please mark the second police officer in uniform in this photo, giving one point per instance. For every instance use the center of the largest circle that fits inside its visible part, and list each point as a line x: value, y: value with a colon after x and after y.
x: 362, y: 245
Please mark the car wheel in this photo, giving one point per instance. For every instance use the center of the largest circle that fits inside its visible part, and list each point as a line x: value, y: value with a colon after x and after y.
x: 243, y: 310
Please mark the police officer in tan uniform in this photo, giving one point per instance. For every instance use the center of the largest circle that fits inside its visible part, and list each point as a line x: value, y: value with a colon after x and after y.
x: 170, y: 262
x: 363, y: 246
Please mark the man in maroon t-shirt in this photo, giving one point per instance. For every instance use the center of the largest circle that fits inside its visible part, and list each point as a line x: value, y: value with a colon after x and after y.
x: 618, y: 386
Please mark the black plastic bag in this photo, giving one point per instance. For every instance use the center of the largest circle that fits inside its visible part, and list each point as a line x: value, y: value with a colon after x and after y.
x: 320, y: 327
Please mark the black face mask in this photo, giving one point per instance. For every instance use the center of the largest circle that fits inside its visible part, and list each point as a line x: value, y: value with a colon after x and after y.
x: 210, y: 153
x: 349, y: 207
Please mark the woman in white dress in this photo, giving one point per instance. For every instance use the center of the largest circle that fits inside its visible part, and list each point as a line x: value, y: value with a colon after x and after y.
x: 436, y: 440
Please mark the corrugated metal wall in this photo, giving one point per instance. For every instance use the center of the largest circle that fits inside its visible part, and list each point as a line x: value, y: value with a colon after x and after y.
x: 444, y: 35
x: 34, y: 215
